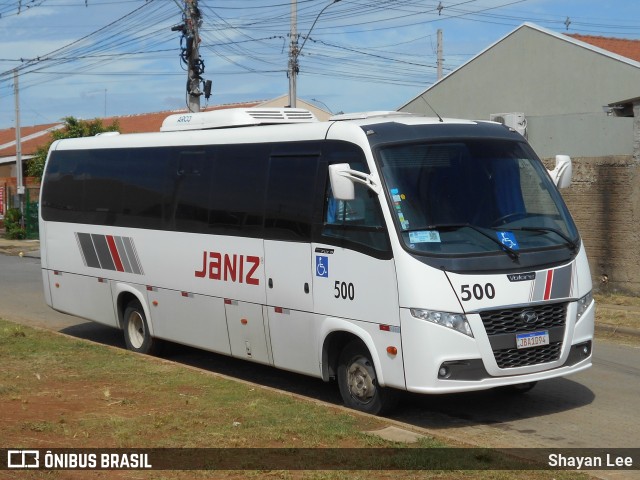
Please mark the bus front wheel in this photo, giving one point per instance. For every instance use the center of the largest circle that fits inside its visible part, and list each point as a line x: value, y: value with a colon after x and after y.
x: 358, y: 382
x: 137, y: 336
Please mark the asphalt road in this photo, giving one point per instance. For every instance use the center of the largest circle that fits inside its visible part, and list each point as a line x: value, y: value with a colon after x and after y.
x: 597, y: 408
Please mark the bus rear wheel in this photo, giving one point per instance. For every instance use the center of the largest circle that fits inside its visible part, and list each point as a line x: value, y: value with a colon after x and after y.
x: 358, y: 382
x: 137, y: 336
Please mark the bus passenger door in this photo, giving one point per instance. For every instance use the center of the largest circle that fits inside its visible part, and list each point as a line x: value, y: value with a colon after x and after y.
x: 353, y: 268
x: 355, y: 283
x: 287, y: 250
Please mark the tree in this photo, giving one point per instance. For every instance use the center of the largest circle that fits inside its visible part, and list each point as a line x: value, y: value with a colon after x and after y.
x: 73, y: 128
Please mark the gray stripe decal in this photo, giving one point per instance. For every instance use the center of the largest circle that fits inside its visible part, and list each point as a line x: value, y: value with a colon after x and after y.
x: 96, y: 253
x: 132, y: 255
x: 102, y: 249
x: 124, y: 258
x: 561, y: 287
x: 538, y: 289
x: 88, y: 251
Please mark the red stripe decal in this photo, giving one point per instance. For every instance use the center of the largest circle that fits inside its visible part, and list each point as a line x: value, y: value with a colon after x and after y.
x: 547, y: 287
x: 114, y: 253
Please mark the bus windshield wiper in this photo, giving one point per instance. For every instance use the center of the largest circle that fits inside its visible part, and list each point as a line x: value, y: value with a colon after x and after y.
x: 572, y: 245
x: 444, y: 226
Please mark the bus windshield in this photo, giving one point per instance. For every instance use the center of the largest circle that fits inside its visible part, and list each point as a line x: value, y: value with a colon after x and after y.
x: 472, y: 196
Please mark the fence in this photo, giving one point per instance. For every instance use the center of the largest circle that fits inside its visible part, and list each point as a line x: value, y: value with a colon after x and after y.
x: 9, y: 199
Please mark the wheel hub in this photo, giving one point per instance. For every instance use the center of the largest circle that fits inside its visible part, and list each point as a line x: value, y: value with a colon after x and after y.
x: 360, y: 380
x: 136, y: 330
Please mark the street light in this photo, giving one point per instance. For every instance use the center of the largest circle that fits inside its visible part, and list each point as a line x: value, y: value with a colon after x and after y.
x: 295, y: 52
x: 320, y: 101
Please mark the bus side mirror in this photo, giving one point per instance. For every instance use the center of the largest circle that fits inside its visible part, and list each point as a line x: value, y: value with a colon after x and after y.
x: 561, y: 175
x: 342, y: 180
x: 341, y: 185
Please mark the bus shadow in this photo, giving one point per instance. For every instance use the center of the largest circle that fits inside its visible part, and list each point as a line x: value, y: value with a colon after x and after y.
x: 492, y: 407
x: 265, y: 375
x: 488, y: 407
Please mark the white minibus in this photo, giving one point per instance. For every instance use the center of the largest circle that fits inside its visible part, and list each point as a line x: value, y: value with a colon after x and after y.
x: 387, y: 251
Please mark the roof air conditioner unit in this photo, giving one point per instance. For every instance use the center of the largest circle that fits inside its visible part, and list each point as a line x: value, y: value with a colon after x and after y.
x: 515, y: 120
x: 236, y: 117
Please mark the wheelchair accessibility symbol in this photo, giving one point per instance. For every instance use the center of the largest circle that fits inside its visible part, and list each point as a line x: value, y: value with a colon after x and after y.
x: 322, y: 266
x: 508, y: 239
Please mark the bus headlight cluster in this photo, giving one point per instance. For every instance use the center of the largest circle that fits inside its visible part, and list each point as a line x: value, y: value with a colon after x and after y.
x: 455, y: 321
x: 583, y: 303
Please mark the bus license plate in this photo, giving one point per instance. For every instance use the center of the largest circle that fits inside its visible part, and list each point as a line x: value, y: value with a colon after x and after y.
x: 533, y: 339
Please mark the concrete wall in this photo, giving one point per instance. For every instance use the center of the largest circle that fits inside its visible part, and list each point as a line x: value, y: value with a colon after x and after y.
x: 585, y: 135
x: 604, y: 199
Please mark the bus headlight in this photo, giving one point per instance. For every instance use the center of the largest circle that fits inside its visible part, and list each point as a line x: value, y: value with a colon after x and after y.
x: 455, y: 321
x: 583, y: 304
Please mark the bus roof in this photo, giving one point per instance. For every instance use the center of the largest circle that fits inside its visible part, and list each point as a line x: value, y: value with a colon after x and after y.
x: 255, y: 125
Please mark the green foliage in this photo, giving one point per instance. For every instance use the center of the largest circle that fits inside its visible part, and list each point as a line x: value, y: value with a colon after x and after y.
x: 12, y: 227
x: 74, y: 128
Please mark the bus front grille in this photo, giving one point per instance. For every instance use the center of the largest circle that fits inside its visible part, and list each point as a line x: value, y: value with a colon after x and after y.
x: 502, y: 326
x: 513, y: 357
x: 512, y: 320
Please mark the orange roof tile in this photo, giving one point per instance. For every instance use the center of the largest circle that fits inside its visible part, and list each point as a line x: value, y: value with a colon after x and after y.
x: 144, y: 122
x: 620, y: 46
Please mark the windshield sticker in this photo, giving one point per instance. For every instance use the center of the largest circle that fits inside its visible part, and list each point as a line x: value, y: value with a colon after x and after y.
x: 396, y: 198
x: 508, y: 239
x: 424, y: 236
x: 394, y: 191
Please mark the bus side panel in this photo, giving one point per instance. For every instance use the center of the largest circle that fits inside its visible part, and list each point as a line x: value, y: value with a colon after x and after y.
x: 247, y: 335
x: 294, y: 341
x: 389, y: 366
x: 191, y: 319
x: 47, y: 287
x: 350, y: 284
x: 82, y: 296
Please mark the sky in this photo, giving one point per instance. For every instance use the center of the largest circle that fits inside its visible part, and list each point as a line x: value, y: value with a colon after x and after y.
x: 99, y: 58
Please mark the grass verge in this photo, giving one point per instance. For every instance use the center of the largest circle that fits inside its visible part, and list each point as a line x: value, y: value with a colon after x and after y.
x: 58, y: 392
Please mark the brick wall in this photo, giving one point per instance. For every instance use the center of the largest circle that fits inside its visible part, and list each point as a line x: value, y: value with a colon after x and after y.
x: 604, y: 199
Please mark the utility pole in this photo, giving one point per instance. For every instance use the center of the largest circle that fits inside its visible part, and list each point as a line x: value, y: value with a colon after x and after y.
x: 190, y: 53
x: 292, y: 71
x: 192, y: 24
x: 439, y: 47
x: 19, y: 176
x: 294, y: 51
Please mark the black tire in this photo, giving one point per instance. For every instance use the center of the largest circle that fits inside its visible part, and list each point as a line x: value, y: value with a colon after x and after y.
x: 137, y: 336
x: 358, y: 383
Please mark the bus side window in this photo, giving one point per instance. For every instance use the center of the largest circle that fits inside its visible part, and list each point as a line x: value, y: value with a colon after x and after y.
x: 189, y: 189
x: 359, y: 220
x: 289, y: 205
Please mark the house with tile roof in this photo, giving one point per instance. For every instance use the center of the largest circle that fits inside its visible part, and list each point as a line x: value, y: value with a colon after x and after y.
x: 568, y: 94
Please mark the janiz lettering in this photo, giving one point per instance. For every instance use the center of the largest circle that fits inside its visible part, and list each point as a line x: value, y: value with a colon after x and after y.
x: 229, y: 267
